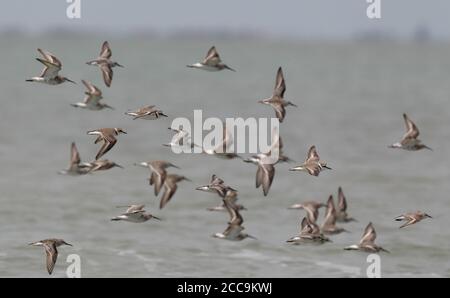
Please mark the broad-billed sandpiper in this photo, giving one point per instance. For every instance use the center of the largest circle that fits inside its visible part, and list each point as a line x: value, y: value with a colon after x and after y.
x: 76, y: 168
x: 50, y: 247
x: 108, y: 136
x: 412, y: 218
x: 170, y: 187
x: 211, y: 62
x: 265, y: 172
x: 105, y: 63
x: 277, y: 99
x: 367, y: 242
x: 92, y: 98
x: 147, y: 113
x: 410, y: 141
x: 329, y: 226
x: 135, y: 214
x: 309, y: 233
x: 312, y: 164
x: 103, y: 165
x: 158, y: 172
x: 50, y: 73
x: 234, y: 230
x: 311, y: 208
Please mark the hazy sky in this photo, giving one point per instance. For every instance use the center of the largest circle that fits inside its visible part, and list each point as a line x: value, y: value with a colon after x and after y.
x: 295, y: 18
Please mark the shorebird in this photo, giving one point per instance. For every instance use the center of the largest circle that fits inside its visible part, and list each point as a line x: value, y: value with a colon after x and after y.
x: 103, y: 165
x: 92, y: 99
x: 412, y: 218
x: 410, y: 141
x: 265, y: 172
x: 158, y: 172
x: 105, y: 63
x: 76, y: 167
x: 367, y: 242
x: 50, y: 247
x: 50, y: 73
x: 211, y: 62
x: 311, y: 208
x: 135, y: 214
x: 309, y: 233
x: 329, y: 226
x: 234, y: 230
x: 181, y: 138
x: 217, y: 186
x: 224, y: 148
x: 147, y: 113
x: 277, y: 99
x: 341, y: 210
x: 170, y: 187
x: 312, y: 164
x: 108, y: 136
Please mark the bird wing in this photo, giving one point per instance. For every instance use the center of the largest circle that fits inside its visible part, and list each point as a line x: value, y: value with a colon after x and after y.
x: 312, y: 155
x: 52, y: 255
x: 330, y: 217
x: 107, y: 73
x: 280, y: 85
x: 50, y: 70
x: 280, y: 111
x: 134, y: 208
x: 170, y: 189
x: 159, y: 178
x: 342, y: 202
x: 105, y: 52
x: 91, y: 88
x: 235, y: 216
x: 369, y: 235
x: 74, y: 155
x: 412, y: 132
x: 50, y: 58
x: 212, y: 57
x: 268, y: 171
x: 108, y: 143
x: 233, y: 231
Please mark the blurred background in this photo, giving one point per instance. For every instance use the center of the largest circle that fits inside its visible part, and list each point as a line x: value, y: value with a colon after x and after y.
x: 352, y: 78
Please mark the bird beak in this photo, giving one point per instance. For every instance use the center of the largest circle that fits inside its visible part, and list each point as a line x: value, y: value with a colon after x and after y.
x: 229, y: 68
x: 69, y: 80
x: 119, y: 166
x: 250, y: 236
x: 428, y: 216
x: 68, y: 244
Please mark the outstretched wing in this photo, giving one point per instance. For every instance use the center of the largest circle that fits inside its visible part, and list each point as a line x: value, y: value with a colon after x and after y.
x: 52, y: 255
x: 106, y: 52
x: 212, y: 57
x: 107, y: 73
x: 280, y: 85
x: 412, y: 132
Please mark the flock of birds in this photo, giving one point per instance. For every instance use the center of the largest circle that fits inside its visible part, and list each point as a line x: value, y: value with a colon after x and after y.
x: 161, y: 180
